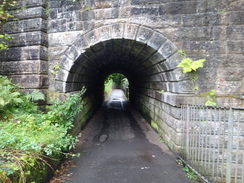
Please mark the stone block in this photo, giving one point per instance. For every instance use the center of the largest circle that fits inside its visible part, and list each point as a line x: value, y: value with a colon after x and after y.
x: 29, y: 13
x: 59, y: 86
x: 231, y: 74
x: 228, y: 88
x: 235, y: 47
x: 146, y: 2
x: 204, y: 47
x: 74, y: 26
x: 30, y: 81
x: 88, y: 25
x: 235, y: 32
x: 186, y: 86
x: 185, y: 7
x: 174, y: 60
x: 30, y: 3
x: 146, y: 11
x: 31, y: 53
x: 195, y: 33
x: 56, y: 53
x: 24, y: 67
x: 198, y: 20
x: 179, y: 76
x: 86, y: 15
x: 117, y: 31
x: 66, y: 63
x: 36, y: 24
x: 233, y: 60
x: 144, y: 34
x: 105, y: 33
x: 64, y: 39
x: 130, y: 31
x: 156, y: 40
x: 110, y: 13
x: 72, y: 53
x: 167, y: 49
x: 57, y: 25
x: 236, y: 18
x: 28, y: 39
x: 53, y: 14
x: 92, y: 37
x: 62, y: 75
x: 11, y: 54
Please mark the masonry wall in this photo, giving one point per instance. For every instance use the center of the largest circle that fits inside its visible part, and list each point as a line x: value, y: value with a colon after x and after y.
x: 26, y: 60
x: 213, y: 30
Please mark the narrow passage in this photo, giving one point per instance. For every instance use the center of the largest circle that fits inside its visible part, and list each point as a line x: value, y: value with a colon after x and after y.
x: 118, y: 146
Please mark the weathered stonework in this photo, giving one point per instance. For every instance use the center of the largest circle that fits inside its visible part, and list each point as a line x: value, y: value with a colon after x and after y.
x: 139, y: 38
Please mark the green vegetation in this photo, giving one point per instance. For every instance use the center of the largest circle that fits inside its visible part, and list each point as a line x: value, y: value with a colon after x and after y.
x: 4, y: 16
x: 154, y: 126
x: 28, y: 136
x: 222, y: 11
x: 56, y: 68
x: 210, y: 98
x: 161, y: 91
x: 190, y: 66
x: 115, y: 80
x: 190, y: 174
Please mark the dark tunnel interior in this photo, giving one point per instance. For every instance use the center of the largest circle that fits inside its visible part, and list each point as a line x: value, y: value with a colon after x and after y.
x: 145, y: 68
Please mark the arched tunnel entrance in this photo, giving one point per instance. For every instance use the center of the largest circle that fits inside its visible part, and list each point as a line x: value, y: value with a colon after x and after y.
x: 144, y: 56
x: 143, y: 65
x: 149, y: 61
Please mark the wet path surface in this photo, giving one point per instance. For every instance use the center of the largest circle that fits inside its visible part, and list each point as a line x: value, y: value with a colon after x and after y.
x: 118, y: 146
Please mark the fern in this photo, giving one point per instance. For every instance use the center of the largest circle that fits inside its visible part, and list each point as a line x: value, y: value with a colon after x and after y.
x: 35, y: 96
x: 9, y: 94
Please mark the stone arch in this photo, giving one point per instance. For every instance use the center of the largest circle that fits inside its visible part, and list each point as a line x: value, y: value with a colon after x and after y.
x: 150, y: 52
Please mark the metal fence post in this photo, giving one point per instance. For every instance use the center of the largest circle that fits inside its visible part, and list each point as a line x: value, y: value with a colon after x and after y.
x: 229, y: 146
x: 187, y: 130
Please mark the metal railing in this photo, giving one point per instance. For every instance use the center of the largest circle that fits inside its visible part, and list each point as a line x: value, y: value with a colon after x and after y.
x: 213, y: 142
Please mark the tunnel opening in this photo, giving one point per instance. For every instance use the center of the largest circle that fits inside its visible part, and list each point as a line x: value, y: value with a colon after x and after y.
x: 144, y: 56
x: 145, y: 68
x: 116, y: 81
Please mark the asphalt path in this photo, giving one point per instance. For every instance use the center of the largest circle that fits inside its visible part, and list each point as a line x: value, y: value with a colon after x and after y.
x: 119, y: 146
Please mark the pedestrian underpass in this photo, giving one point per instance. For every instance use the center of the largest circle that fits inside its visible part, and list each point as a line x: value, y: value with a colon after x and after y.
x: 61, y: 46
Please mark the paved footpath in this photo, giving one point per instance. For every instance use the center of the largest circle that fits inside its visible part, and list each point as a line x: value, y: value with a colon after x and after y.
x: 118, y: 146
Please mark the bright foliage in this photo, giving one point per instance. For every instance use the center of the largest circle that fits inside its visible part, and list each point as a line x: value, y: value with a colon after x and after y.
x: 27, y: 135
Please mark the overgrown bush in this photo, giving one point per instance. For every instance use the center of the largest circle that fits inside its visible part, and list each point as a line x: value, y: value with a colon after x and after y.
x: 27, y: 135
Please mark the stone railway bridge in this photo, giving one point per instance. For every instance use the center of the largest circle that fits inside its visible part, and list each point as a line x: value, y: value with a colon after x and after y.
x: 59, y: 46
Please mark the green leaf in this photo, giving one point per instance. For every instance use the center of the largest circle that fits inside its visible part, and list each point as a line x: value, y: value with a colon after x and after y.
x: 210, y: 103
x: 188, y: 65
x: 197, y: 64
x: 212, y: 93
x: 162, y: 91
x: 35, y: 96
x: 182, y: 53
x: 196, y: 88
